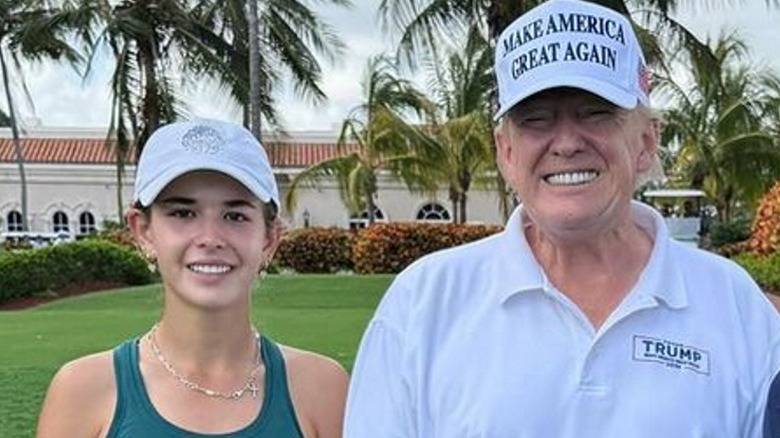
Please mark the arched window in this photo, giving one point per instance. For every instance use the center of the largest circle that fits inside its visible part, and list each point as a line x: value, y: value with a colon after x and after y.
x: 60, y: 220
x: 14, y: 221
x: 86, y: 223
x: 358, y: 221
x: 433, y: 212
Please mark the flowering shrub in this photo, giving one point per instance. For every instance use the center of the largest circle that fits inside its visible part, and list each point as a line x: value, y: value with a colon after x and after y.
x: 390, y: 247
x: 316, y: 250
x: 765, y: 232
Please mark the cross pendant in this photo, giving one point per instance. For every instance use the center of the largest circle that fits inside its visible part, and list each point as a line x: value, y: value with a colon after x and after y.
x: 253, y: 389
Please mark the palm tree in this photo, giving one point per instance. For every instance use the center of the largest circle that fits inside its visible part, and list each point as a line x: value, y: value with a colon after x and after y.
x: 291, y: 37
x: 154, y: 41
x: 770, y: 84
x: 28, y: 30
x: 148, y: 41
x: 423, y: 22
x: 717, y: 124
x: 463, y: 138
x: 380, y: 136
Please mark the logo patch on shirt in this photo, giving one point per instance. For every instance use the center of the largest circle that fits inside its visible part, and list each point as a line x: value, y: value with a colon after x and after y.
x: 672, y: 354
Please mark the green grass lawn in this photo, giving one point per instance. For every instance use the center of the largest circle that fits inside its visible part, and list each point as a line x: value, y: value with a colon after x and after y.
x: 321, y: 313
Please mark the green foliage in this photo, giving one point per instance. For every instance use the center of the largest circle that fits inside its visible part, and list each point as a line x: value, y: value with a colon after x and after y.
x: 764, y: 269
x: 718, y: 128
x: 117, y: 234
x: 50, y: 269
x: 375, y: 137
x: 316, y: 250
x: 726, y: 232
x: 390, y: 247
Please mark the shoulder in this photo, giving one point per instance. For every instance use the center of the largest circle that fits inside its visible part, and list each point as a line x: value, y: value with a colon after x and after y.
x: 724, y: 291
x: 708, y: 270
x: 318, y: 388
x: 80, y: 399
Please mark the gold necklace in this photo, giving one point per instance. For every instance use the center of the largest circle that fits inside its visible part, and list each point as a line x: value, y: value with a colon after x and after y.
x: 249, y: 386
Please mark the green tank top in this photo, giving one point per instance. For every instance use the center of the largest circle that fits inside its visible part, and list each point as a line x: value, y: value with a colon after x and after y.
x: 136, y: 417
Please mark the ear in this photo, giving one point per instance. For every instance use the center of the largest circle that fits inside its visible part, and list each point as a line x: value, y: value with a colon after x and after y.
x: 273, y: 238
x: 138, y: 222
x: 503, y: 146
x: 649, y: 144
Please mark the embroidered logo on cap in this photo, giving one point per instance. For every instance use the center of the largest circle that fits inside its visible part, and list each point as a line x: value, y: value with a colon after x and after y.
x: 672, y: 354
x: 202, y: 139
x: 598, y: 44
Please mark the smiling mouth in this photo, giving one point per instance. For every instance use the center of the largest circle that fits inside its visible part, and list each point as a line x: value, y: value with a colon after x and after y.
x: 210, y: 269
x: 571, y: 178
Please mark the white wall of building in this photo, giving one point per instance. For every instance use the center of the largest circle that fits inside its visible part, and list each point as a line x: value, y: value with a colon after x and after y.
x: 70, y: 188
x: 75, y: 188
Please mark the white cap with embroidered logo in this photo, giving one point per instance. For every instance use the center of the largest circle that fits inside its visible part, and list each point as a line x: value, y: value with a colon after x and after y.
x: 570, y: 43
x: 203, y: 144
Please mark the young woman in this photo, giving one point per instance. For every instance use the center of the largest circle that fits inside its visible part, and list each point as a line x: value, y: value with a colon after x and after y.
x: 206, y: 213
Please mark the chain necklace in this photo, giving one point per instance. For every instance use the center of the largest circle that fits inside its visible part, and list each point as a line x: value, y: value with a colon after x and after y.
x: 249, y: 386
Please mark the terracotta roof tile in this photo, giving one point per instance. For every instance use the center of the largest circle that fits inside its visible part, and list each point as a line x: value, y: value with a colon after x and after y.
x: 94, y: 151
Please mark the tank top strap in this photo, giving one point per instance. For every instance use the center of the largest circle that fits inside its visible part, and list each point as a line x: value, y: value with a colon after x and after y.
x: 280, y: 406
x: 129, y: 385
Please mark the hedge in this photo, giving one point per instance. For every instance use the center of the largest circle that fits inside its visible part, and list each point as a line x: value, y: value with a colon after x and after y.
x: 316, y: 250
x: 49, y: 269
x: 390, y: 247
x: 764, y: 269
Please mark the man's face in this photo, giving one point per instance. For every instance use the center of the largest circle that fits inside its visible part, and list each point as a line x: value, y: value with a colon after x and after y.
x: 573, y: 158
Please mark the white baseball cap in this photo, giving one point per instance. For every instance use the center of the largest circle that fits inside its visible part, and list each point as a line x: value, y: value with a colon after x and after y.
x: 570, y: 43
x: 203, y: 144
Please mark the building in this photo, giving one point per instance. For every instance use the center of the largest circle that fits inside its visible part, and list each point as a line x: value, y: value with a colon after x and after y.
x: 72, y: 185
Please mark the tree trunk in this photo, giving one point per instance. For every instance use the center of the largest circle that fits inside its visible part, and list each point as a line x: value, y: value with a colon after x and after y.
x: 370, y: 206
x: 463, y: 200
x: 454, y: 203
x: 254, y: 70
x: 18, y: 153
x: 464, y: 177
x: 150, y: 107
x: 119, y: 199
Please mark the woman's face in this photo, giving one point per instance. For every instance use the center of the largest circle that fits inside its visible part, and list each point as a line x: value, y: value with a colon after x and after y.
x: 209, y: 236
x: 573, y: 158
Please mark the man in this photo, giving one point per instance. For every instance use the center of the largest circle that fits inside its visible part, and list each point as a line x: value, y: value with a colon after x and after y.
x: 583, y: 318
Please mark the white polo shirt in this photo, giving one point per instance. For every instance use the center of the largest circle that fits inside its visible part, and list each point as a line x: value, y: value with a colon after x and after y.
x: 474, y: 341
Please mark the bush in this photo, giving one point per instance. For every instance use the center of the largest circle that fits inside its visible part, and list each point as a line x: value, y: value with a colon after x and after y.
x: 53, y: 268
x: 390, y: 247
x: 764, y: 269
x: 115, y: 234
x: 727, y: 233
x: 316, y: 250
x: 765, y: 232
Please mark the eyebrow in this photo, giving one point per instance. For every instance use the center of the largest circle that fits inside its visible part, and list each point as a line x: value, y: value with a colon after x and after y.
x: 181, y: 200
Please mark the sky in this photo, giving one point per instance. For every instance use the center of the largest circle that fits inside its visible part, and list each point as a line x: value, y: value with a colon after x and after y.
x: 63, y: 99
